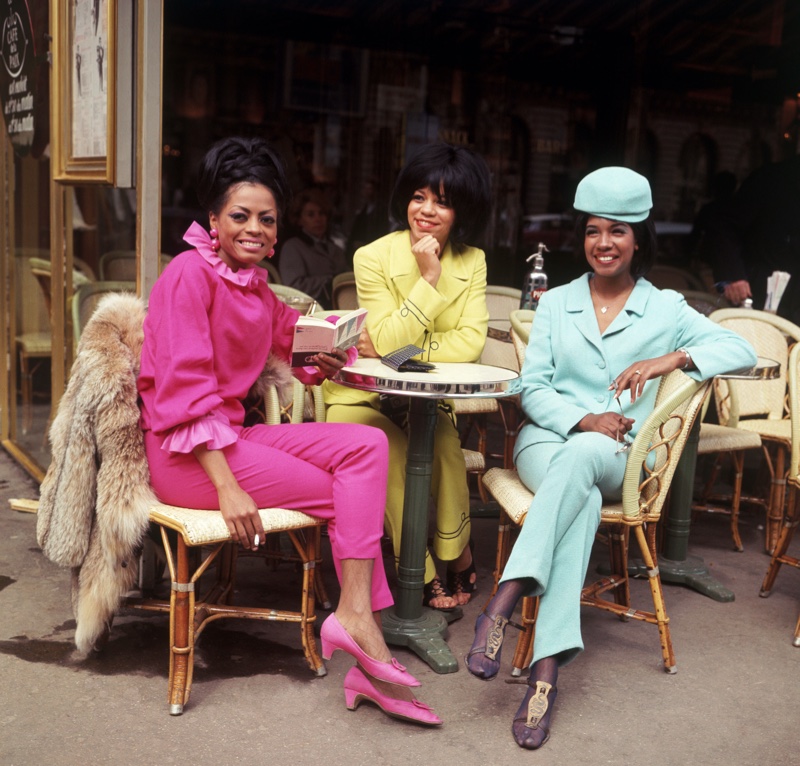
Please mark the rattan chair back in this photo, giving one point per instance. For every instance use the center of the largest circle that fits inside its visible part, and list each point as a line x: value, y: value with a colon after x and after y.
x: 499, y: 349
x: 88, y: 296
x: 794, y: 410
x: 293, y: 297
x: 343, y: 291
x: 770, y: 336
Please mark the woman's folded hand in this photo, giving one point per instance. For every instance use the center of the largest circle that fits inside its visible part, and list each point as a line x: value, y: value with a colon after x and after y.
x: 636, y: 375
x: 611, y: 424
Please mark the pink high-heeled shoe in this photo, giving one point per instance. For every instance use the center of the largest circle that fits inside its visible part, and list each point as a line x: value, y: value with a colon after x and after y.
x: 333, y: 636
x: 357, y: 688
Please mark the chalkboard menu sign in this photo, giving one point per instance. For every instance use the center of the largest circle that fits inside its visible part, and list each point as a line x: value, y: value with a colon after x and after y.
x: 24, y: 75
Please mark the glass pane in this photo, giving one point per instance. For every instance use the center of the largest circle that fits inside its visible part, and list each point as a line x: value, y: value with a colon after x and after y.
x: 31, y: 387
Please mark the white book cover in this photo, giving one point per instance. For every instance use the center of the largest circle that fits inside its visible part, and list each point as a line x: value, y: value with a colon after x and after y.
x: 313, y: 335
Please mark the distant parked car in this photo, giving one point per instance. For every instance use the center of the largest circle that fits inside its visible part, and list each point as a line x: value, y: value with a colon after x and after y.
x: 556, y: 231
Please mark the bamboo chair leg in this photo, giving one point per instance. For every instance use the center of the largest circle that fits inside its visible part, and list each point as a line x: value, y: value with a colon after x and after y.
x: 618, y: 555
x: 226, y: 572
x: 320, y: 591
x: 738, y: 467
x: 712, y: 479
x: 503, y: 550
x: 307, y: 545
x: 790, y: 524
x: 524, y: 651
x: 654, y: 579
x: 181, y: 650
x: 777, y: 497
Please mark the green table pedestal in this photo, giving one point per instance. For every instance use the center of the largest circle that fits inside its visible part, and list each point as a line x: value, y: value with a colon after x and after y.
x: 408, y: 623
x: 675, y: 563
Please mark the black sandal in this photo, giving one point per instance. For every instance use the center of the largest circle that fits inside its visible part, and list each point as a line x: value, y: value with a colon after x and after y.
x: 435, y: 589
x: 494, y: 642
x: 461, y: 582
x: 538, y: 706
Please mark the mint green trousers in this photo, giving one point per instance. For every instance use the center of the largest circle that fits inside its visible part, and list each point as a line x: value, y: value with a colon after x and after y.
x: 570, y: 480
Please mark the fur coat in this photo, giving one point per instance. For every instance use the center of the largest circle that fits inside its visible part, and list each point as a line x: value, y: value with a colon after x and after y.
x: 95, y: 499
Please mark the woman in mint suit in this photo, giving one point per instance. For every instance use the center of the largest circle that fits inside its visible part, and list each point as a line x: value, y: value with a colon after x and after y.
x: 607, y: 335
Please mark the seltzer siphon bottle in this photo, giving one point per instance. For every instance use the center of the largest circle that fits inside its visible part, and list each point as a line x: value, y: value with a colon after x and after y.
x: 535, y: 280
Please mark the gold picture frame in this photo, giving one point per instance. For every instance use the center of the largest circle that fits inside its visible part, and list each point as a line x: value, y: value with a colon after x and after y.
x: 84, y: 51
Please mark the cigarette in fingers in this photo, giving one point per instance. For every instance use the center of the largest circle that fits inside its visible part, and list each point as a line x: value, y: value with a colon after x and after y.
x: 256, y: 541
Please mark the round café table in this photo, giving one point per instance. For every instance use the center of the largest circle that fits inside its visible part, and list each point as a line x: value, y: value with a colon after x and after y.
x: 408, y: 623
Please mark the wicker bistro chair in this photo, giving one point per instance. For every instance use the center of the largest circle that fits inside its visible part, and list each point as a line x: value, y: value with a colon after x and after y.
x: 780, y: 555
x: 191, y: 610
x: 651, y: 464
x: 343, y: 291
x: 86, y: 299
x: 120, y: 265
x: 521, y: 323
x: 723, y: 441
x: 498, y: 351
x: 762, y: 407
x: 203, y: 539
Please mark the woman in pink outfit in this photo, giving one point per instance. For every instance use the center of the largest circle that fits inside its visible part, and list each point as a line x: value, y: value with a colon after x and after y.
x: 212, y: 321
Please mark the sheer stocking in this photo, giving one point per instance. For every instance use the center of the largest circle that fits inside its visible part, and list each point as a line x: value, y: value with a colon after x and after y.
x: 355, y: 612
x: 531, y: 727
x: 483, y: 659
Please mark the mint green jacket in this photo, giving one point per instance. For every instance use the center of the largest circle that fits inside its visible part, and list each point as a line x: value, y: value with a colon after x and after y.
x: 569, y: 365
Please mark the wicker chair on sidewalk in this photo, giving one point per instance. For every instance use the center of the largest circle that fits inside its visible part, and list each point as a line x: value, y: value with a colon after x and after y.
x: 343, y: 291
x: 105, y: 370
x: 292, y: 296
x: 521, y: 323
x: 780, y: 555
x: 761, y: 407
x: 190, y: 611
x: 722, y: 441
x: 498, y: 351
x: 661, y: 441
x: 207, y: 530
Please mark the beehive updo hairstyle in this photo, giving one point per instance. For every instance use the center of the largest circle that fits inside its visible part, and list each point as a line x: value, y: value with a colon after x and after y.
x: 236, y: 160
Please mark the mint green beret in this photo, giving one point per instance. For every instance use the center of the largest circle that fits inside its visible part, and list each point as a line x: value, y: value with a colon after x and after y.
x: 616, y: 193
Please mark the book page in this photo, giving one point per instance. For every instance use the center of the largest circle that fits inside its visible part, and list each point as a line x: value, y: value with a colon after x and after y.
x: 313, y: 335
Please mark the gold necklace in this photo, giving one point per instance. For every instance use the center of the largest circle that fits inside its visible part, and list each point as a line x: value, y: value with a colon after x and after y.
x: 604, y: 309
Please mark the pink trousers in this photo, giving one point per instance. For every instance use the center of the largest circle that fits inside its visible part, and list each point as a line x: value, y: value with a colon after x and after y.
x: 333, y: 471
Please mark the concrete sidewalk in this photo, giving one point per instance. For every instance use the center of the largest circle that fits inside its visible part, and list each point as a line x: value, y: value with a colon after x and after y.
x: 733, y: 702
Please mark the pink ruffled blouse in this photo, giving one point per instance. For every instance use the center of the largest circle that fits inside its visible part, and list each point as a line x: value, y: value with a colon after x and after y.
x: 207, y: 336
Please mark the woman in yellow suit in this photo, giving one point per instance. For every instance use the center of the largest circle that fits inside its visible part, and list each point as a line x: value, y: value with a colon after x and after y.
x: 424, y: 285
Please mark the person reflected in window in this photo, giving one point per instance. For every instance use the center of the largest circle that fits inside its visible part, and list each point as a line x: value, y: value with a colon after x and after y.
x: 310, y: 260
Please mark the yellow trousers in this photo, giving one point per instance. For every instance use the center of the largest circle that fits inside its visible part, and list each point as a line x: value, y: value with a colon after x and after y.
x: 448, y: 481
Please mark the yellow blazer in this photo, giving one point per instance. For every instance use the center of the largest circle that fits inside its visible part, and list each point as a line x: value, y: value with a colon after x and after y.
x: 448, y: 321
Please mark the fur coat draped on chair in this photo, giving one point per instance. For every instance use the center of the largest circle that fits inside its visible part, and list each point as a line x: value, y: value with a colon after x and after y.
x: 96, y: 496
x: 95, y: 499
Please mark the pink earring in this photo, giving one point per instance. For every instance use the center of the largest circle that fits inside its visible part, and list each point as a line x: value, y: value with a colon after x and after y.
x: 272, y: 250
x: 214, y: 234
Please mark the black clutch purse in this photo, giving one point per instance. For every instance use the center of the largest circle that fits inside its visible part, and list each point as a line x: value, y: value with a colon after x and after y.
x: 401, y: 360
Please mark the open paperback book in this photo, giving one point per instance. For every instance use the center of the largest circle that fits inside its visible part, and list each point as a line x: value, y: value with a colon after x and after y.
x: 314, y: 335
